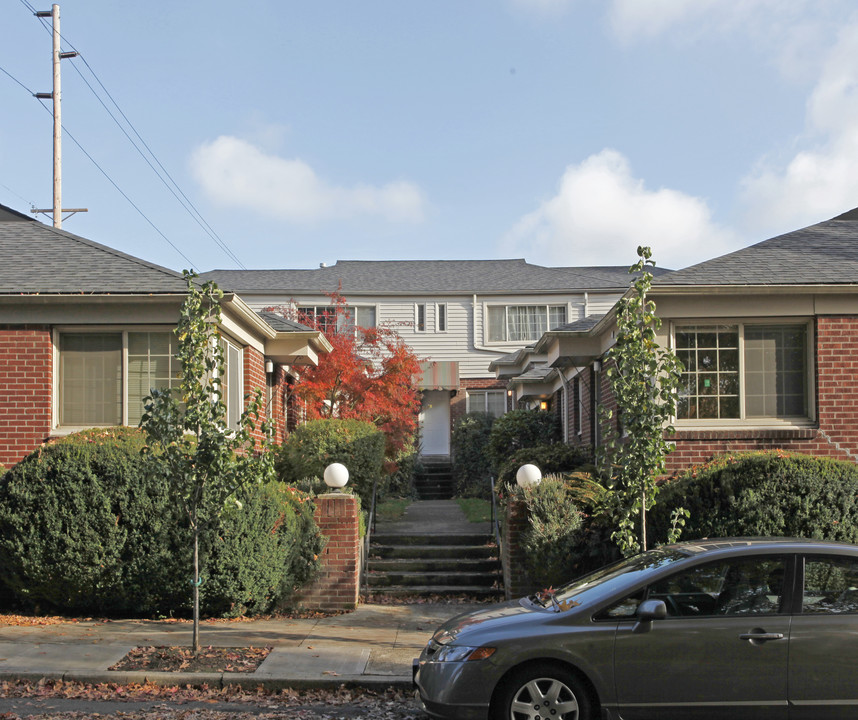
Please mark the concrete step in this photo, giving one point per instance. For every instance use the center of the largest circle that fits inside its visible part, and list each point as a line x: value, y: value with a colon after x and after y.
x: 431, y: 565
x: 433, y: 579
x: 433, y: 551
x: 466, y: 539
x: 438, y: 590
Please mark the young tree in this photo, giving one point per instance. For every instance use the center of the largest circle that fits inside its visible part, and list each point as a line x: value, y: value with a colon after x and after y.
x: 370, y: 375
x: 188, y: 442
x: 644, y: 378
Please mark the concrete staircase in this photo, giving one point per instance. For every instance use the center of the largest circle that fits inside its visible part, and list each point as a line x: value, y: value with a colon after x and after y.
x: 435, y: 479
x: 433, y: 552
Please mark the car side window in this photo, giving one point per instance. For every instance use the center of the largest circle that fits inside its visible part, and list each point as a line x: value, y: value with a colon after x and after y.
x: 743, y: 586
x: 830, y: 586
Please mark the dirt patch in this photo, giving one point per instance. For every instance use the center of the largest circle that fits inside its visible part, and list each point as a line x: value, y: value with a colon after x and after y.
x: 182, y: 659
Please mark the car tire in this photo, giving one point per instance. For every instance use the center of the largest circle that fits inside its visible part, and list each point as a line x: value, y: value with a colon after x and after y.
x: 542, y: 692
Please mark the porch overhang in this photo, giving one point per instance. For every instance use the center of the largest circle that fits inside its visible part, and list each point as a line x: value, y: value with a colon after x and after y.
x: 439, y: 375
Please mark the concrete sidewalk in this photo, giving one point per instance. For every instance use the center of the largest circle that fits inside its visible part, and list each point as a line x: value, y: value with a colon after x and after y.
x: 370, y: 647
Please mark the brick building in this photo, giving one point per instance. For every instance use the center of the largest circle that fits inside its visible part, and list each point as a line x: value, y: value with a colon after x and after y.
x: 86, y: 332
x: 766, y: 334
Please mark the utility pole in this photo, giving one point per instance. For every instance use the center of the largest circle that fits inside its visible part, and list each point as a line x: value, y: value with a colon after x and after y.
x: 56, y: 96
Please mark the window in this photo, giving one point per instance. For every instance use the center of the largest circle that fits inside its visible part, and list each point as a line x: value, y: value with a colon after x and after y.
x: 441, y: 317
x: 745, y: 586
x: 492, y: 402
x: 420, y: 317
x: 830, y: 586
x: 232, y: 386
x: 94, y: 390
x: 523, y: 323
x: 329, y: 320
x: 743, y: 371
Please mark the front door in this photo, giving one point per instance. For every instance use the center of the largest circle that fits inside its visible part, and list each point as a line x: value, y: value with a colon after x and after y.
x: 435, y: 422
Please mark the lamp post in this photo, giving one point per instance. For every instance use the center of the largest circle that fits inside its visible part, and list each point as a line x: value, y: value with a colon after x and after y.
x: 336, y: 476
x: 528, y: 476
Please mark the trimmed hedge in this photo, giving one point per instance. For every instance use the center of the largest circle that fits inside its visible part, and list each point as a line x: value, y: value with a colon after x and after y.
x: 471, y: 466
x: 311, y: 447
x: 262, y: 552
x: 83, y: 529
x: 520, y: 429
x: 550, y: 459
x: 764, y: 494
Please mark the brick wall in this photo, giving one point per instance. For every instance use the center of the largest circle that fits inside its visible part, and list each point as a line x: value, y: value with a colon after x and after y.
x: 459, y: 401
x: 254, y: 379
x: 516, y: 580
x: 26, y: 389
x: 337, y: 586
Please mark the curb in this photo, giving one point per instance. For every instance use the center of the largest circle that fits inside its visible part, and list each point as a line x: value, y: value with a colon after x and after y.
x: 246, y: 681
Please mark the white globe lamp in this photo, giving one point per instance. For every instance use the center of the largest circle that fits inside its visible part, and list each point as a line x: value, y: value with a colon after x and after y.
x: 528, y: 476
x: 336, y: 476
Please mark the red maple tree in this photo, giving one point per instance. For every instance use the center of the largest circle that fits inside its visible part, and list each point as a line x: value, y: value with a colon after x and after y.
x: 371, y: 374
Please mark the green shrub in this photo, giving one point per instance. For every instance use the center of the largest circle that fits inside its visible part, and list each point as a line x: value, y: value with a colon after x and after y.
x: 401, y: 482
x: 764, y: 494
x: 520, y: 429
x: 83, y: 529
x: 313, y: 446
x: 550, y: 459
x: 554, y: 537
x: 262, y: 551
x: 471, y: 465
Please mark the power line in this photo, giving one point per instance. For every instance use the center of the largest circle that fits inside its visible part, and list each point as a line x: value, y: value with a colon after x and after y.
x: 184, y: 201
x: 103, y: 172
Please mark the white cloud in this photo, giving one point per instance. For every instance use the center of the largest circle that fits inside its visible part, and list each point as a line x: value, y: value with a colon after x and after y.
x: 601, y: 214
x: 234, y: 172
x: 821, y: 179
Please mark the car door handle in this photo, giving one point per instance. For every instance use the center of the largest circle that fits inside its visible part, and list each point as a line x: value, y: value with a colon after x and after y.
x: 761, y: 636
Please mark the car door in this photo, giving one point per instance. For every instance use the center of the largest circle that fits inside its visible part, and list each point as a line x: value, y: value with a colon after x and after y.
x: 722, y: 651
x: 823, y: 666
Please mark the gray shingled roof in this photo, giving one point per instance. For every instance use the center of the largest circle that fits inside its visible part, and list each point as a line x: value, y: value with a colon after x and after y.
x: 421, y: 276
x: 38, y: 258
x: 822, y: 254
x: 582, y: 325
x: 281, y: 324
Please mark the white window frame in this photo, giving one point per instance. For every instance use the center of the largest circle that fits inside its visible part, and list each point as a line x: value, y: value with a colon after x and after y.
x: 420, y: 308
x: 234, y: 375
x: 484, y: 394
x: 488, y: 307
x: 441, y: 311
x: 321, y: 309
x: 742, y: 420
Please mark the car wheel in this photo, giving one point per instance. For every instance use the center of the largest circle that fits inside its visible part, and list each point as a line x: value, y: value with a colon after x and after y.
x: 542, y: 692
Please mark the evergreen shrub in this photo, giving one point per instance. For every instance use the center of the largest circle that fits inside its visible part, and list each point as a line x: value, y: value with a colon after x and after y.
x: 263, y: 550
x: 550, y: 459
x: 520, y: 429
x: 82, y: 528
x: 471, y: 465
x: 764, y: 494
x: 311, y: 447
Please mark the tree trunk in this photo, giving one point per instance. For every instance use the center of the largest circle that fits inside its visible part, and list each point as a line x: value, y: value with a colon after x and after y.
x: 195, y: 643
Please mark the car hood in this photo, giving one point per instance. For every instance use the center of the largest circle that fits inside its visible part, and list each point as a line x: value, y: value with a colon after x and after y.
x: 470, y: 627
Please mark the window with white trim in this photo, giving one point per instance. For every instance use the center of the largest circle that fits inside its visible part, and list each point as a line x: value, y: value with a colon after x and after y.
x: 232, y: 387
x: 523, y: 323
x: 104, y: 376
x: 746, y: 371
x: 420, y: 317
x: 441, y: 317
x: 329, y: 320
x: 492, y: 402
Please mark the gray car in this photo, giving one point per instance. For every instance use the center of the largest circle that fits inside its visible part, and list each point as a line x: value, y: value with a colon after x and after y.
x: 757, y: 628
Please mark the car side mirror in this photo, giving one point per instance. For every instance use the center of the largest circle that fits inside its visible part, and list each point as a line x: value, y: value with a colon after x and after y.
x: 648, y: 611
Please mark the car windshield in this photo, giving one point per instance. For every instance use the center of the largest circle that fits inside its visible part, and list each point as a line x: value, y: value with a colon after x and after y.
x: 623, y: 572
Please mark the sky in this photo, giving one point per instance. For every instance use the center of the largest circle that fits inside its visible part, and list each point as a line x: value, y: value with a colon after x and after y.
x: 566, y: 132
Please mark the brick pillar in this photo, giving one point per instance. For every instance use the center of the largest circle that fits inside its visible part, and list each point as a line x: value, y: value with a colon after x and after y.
x: 516, y: 580
x: 336, y: 587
